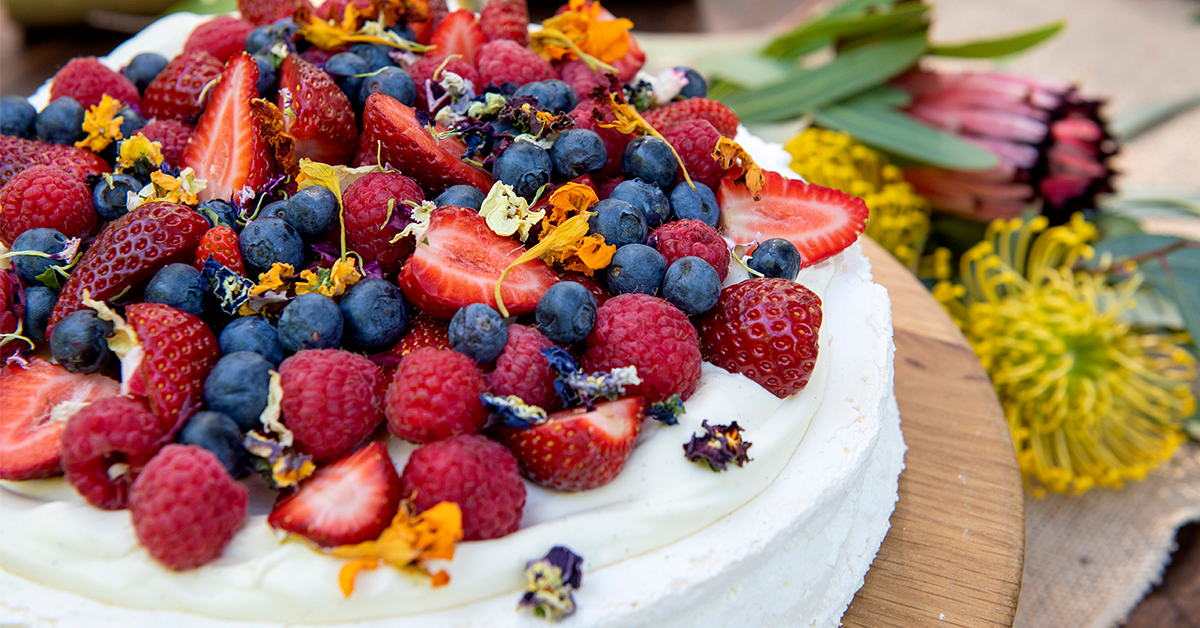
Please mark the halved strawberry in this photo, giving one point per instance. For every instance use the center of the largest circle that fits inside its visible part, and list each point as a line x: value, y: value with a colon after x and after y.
x: 459, y: 261
x: 321, y: 119
x: 177, y: 352
x: 130, y: 250
x: 226, y: 148
x: 820, y: 221
x: 348, y: 501
x: 577, y: 450
x: 28, y: 433
x: 459, y: 33
x: 392, y: 135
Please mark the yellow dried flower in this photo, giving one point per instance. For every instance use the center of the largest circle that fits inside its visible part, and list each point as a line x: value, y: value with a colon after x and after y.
x: 729, y: 154
x: 102, y: 124
x: 580, y: 33
x: 330, y: 282
x: 899, y: 219
x: 273, y: 279
x: 1090, y: 401
x: 139, y: 149
x: 629, y: 121
x: 508, y: 213
x: 405, y: 544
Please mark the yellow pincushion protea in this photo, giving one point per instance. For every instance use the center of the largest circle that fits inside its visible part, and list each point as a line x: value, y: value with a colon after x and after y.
x: 899, y: 219
x: 1090, y: 400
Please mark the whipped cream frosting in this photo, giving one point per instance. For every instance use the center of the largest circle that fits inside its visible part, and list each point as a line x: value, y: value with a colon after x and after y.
x: 785, y: 539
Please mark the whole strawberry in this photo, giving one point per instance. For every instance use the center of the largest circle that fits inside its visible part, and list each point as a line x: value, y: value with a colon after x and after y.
x: 765, y: 329
x: 651, y: 334
x: 320, y: 117
x: 178, y: 351
x: 185, y: 507
x: 46, y: 196
x: 17, y: 154
x: 104, y: 447
x: 175, y: 93
x: 221, y: 244
x: 330, y: 400
x: 476, y: 473
x: 435, y: 394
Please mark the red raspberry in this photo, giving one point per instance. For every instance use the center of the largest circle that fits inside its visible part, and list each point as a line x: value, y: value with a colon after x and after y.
x: 588, y: 114
x: 522, y: 370
x: 375, y: 212
x: 435, y: 395
x: 583, y: 79
x: 478, y: 474
x: 330, y: 400
x: 106, y: 433
x: 695, y: 140
x: 185, y: 507
x: 86, y: 80
x: 723, y: 119
x: 263, y: 12
x: 175, y: 93
x: 505, y: 19
x: 651, y: 334
x: 424, y: 69
x: 505, y: 60
x: 46, y: 196
x: 173, y: 135
x: 692, y: 237
x: 12, y: 312
x: 766, y: 329
x: 221, y: 37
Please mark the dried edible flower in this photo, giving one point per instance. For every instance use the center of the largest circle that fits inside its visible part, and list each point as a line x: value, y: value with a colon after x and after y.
x: 139, y: 155
x: 328, y: 35
x: 512, y: 411
x: 330, y: 282
x: 102, y: 124
x: 273, y: 279
x: 729, y: 153
x: 550, y: 582
x: 581, y: 33
x: 667, y: 411
x: 410, y: 540
x: 231, y: 289
x: 164, y: 187
x: 563, y: 241
x: 507, y: 212
x: 629, y: 121
x: 718, y: 446
x: 576, y: 388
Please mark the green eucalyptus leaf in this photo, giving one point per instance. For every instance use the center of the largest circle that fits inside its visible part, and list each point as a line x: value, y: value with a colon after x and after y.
x: 850, y: 73
x: 1000, y: 47
x: 1131, y: 246
x: 1191, y: 425
x: 1154, y: 309
x: 1127, y: 126
x: 1113, y: 225
x: 823, y: 31
x: 747, y: 69
x: 885, y: 128
x: 203, y: 7
x: 882, y: 95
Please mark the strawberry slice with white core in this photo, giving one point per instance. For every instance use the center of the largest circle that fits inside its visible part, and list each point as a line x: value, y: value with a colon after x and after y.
x: 578, y: 450
x: 226, y: 148
x: 460, y: 259
x: 35, y: 401
x: 820, y: 221
x: 349, y: 501
x: 459, y: 34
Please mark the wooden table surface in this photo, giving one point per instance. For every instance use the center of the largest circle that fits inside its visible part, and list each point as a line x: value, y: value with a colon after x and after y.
x: 955, y: 551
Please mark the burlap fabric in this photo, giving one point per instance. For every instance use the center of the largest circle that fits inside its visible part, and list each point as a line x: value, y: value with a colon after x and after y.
x: 1090, y: 559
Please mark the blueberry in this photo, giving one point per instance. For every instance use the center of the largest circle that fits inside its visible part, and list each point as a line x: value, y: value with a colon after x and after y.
x: 650, y: 159
x: 42, y: 240
x: 313, y: 211
x: 699, y: 204
x: 479, y: 332
x: 647, y: 197
x: 392, y: 81
x: 16, y: 117
x: 345, y: 67
x: 219, y: 213
x: 39, y: 301
x: 524, y: 166
x: 143, y: 68
x: 776, y: 258
x: 310, y: 321
x: 374, y: 315
x: 177, y: 285
x: 61, y: 122
x: 636, y: 268
x: 111, y: 193
x: 267, y: 76
x: 692, y: 285
x: 266, y: 241
x: 79, y: 343
x: 274, y: 209
x: 577, y: 152
x: 565, y: 97
x: 238, y: 385
x: 619, y: 222
x: 696, y: 86
x: 219, y: 434
x: 543, y: 93
x: 376, y: 55
x: 403, y: 31
x: 261, y: 39
x: 251, y: 333
x: 566, y: 312
x: 467, y: 196
x: 131, y: 122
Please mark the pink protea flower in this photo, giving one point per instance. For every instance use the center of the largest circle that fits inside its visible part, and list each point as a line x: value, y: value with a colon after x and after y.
x: 1051, y: 142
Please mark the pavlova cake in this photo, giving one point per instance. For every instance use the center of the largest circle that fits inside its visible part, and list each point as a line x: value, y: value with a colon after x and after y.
x: 377, y: 313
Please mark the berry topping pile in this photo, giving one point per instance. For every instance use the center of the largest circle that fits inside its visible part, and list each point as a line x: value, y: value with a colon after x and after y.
x: 317, y: 231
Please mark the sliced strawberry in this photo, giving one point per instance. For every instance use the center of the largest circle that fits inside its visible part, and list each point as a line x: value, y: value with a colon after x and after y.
x: 392, y: 135
x: 221, y: 244
x: 17, y: 154
x: 459, y: 261
x: 821, y: 222
x: 177, y: 352
x: 28, y: 433
x: 458, y: 34
x: 348, y: 501
x: 226, y: 148
x: 130, y: 250
x: 321, y: 119
x: 577, y: 450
